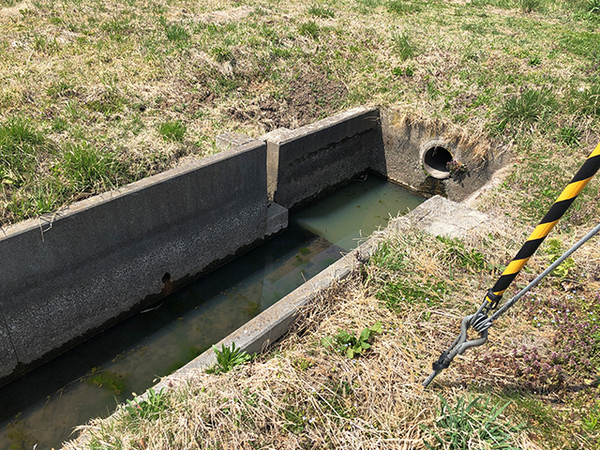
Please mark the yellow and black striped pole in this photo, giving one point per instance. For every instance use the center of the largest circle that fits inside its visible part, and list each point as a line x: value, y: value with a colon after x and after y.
x: 560, y: 206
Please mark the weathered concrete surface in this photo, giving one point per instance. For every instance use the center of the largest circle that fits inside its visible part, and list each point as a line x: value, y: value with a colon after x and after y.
x: 442, y: 217
x: 400, y: 158
x: 311, y: 160
x: 226, y: 141
x: 277, y: 218
x: 92, y: 264
x: 8, y: 357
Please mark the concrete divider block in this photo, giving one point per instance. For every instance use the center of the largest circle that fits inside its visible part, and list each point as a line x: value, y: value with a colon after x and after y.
x: 101, y: 259
x: 8, y: 357
x: 277, y: 218
x: 309, y: 161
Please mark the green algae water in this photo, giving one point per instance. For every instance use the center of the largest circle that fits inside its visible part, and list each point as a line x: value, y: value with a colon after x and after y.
x: 45, y: 406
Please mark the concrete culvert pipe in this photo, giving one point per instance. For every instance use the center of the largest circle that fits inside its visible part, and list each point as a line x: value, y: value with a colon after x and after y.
x: 435, y: 159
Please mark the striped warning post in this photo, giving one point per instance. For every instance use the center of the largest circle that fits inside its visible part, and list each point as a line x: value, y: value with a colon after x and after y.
x: 560, y: 206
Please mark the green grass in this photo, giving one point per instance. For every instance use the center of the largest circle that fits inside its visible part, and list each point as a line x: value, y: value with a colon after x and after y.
x: 460, y: 63
x: 403, y: 45
x: 530, y: 106
x: 22, y: 148
x: 471, y: 423
x: 87, y: 169
x: 310, y: 29
x: 323, y: 12
x: 172, y: 131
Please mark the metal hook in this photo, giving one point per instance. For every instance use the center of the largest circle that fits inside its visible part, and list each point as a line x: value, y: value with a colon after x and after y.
x: 458, y: 347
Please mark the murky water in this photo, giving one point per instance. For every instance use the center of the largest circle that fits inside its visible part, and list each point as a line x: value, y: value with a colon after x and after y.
x: 44, y: 406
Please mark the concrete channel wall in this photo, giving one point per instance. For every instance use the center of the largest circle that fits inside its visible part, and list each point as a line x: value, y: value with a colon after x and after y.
x: 68, y: 275
x: 72, y: 274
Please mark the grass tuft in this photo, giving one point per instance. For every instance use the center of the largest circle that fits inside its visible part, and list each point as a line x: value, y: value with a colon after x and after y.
x: 21, y: 145
x: 587, y: 101
x: 84, y: 168
x: 403, y: 45
x: 529, y: 107
x: 403, y: 7
x: 471, y: 425
x: 172, y: 131
x: 321, y: 11
x: 310, y: 29
x: 176, y: 33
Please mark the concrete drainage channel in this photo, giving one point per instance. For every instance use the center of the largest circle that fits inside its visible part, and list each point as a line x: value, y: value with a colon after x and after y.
x: 77, y: 272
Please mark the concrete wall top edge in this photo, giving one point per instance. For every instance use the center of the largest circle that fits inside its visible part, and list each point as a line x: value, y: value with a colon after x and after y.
x: 45, y: 221
x: 331, y: 129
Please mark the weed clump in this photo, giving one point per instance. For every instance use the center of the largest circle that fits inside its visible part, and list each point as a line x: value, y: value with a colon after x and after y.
x: 471, y: 424
x: 587, y: 100
x: 404, y: 46
x: 84, y: 168
x: 529, y: 107
x: 21, y: 148
x: 309, y: 29
x: 172, y: 131
x: 228, y: 358
x: 321, y: 11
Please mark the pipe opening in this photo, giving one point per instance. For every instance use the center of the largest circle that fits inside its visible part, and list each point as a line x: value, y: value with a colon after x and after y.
x: 435, y: 162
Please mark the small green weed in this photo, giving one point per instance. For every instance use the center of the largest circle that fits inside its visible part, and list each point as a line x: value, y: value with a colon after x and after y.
x: 471, y: 425
x: 456, y: 167
x: 591, y: 418
x: 568, y: 136
x: 222, y: 54
x: 228, y: 358
x: 150, y: 408
x: 457, y: 253
x: 310, y: 29
x: 397, y: 293
x: 367, y: 6
x: 389, y: 258
x: 350, y: 345
x: 296, y: 419
x: 43, y: 44
x: 534, y: 61
x: 176, y: 33
x: 20, y: 146
x: 528, y: 107
x: 587, y: 101
x: 554, y: 249
x: 403, y: 7
x: 408, y: 71
x: 172, y: 131
x: 117, y: 28
x: 403, y: 45
x: 60, y: 89
x: 321, y: 11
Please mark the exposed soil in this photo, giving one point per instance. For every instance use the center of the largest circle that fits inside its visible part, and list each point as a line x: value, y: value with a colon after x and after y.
x: 310, y: 96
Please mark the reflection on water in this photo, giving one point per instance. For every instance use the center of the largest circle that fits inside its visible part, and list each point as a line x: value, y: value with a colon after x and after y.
x: 44, y: 406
